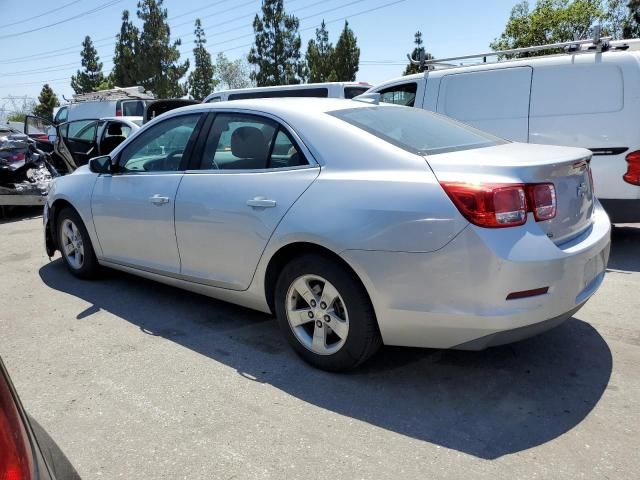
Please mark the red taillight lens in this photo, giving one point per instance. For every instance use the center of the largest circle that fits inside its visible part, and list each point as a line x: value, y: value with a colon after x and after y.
x: 16, y: 462
x: 633, y: 168
x: 118, y: 113
x: 489, y: 205
x: 17, y: 157
x: 542, y: 197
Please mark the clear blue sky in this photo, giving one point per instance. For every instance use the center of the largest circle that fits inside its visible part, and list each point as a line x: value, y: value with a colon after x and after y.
x: 385, y: 35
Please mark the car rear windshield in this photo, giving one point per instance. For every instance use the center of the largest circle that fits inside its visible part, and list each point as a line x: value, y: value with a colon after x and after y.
x: 416, y: 130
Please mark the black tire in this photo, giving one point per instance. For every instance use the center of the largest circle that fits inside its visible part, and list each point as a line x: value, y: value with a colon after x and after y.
x: 89, y: 266
x: 363, y: 338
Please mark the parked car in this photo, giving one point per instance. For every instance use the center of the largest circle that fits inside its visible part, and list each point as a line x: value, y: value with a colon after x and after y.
x: 26, y: 451
x: 74, y: 142
x: 583, y: 98
x: 356, y: 224
x: 115, y: 102
x: 322, y: 90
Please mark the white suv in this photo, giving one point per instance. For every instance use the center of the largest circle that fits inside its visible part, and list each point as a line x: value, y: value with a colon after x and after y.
x: 582, y: 98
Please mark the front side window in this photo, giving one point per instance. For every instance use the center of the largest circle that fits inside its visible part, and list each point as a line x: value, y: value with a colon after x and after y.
x: 416, y: 130
x: 160, y: 148
x: 214, y: 99
x: 404, y: 94
x: 84, y: 130
x: 62, y: 115
x: 248, y: 142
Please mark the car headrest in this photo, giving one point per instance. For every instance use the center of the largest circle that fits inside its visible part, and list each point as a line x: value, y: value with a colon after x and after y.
x: 248, y: 142
x: 114, y: 129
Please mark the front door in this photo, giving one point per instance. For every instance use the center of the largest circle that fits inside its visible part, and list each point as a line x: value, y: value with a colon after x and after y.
x: 76, y: 142
x: 133, y: 209
x: 250, y: 173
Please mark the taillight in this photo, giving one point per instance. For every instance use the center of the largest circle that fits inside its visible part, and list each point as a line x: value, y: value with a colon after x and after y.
x: 118, y: 113
x: 16, y: 462
x: 489, y: 205
x: 543, y: 200
x: 502, y: 205
x: 17, y: 157
x: 633, y: 168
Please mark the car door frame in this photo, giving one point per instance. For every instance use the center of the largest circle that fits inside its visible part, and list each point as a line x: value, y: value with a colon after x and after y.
x: 65, y: 152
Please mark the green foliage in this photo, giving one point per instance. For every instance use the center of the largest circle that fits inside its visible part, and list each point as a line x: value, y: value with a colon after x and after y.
x: 320, y: 57
x: 48, y: 100
x: 347, y: 55
x: 415, y: 54
x: 230, y: 75
x: 550, y: 21
x: 158, y: 58
x: 16, y: 116
x: 125, y: 59
x: 276, y: 51
x: 91, y: 77
x: 201, y: 82
x: 631, y: 28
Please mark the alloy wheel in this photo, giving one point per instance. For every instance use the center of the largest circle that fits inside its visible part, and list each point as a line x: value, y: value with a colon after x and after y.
x: 72, y: 246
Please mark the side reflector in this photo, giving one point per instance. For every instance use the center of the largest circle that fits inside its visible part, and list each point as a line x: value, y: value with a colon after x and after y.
x: 528, y: 293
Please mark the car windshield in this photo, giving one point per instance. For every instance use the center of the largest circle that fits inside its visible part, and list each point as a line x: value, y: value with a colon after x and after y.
x: 416, y: 130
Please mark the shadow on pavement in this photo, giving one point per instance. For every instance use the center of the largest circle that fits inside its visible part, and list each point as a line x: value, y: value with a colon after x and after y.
x: 488, y: 404
x: 15, y: 214
x: 625, y: 248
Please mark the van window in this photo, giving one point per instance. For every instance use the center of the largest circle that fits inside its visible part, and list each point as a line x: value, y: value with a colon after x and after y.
x: 350, y: 92
x: 214, y: 99
x: 133, y: 108
x: 576, y: 90
x: 404, y: 94
x: 296, y: 92
x: 416, y: 130
x: 62, y: 115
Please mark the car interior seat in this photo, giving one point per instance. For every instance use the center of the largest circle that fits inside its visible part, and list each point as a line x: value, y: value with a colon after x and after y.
x: 250, y: 147
x: 113, y: 138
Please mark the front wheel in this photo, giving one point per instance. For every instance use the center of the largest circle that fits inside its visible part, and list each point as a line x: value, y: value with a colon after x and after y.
x: 326, y: 313
x: 75, y: 245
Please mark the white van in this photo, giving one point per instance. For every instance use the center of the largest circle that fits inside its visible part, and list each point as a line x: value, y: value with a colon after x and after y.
x: 327, y: 89
x: 584, y: 98
x: 116, y: 102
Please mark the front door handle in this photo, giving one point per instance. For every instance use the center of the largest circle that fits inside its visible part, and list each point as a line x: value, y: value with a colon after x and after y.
x: 261, y: 202
x: 158, y: 199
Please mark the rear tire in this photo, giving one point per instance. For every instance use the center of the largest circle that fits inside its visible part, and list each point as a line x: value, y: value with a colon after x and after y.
x: 325, y: 313
x: 75, y: 246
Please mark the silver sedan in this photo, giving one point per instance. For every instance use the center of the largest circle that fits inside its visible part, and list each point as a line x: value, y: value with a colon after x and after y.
x: 356, y: 224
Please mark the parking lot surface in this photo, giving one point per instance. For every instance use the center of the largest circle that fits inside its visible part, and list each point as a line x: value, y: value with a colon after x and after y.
x: 134, y: 379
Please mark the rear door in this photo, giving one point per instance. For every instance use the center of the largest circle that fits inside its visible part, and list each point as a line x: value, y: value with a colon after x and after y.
x: 249, y: 173
x: 76, y: 142
x: 496, y: 101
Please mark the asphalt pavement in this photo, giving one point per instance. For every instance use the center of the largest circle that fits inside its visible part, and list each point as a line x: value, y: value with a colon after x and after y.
x: 134, y: 379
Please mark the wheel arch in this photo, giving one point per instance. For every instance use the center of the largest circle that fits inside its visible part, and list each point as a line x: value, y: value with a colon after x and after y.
x: 51, y: 229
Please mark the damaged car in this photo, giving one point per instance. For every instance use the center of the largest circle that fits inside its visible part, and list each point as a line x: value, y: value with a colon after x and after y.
x: 25, y: 170
x: 73, y: 143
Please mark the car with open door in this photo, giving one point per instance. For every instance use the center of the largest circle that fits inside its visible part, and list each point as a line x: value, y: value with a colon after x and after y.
x: 73, y: 143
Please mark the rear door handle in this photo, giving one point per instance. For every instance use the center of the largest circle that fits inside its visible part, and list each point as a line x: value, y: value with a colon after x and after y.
x: 261, y: 202
x: 158, y: 199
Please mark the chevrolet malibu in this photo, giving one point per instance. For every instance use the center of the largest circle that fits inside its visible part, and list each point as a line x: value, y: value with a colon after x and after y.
x: 356, y: 224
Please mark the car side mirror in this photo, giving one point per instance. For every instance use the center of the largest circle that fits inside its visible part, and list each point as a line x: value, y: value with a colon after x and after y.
x: 101, y: 165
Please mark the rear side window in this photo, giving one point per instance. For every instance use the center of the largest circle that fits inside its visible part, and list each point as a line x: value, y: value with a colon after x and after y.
x: 350, y: 92
x: 297, y: 92
x: 133, y: 108
x: 416, y: 130
x: 404, y: 94
x: 576, y: 90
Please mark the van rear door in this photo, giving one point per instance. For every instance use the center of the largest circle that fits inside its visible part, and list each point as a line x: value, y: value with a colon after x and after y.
x: 153, y: 109
x: 496, y: 101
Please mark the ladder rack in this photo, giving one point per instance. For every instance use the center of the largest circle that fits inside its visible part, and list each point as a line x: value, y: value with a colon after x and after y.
x: 116, y: 93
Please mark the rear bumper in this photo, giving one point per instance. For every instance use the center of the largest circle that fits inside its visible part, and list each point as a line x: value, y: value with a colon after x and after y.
x: 622, y: 210
x: 456, y: 297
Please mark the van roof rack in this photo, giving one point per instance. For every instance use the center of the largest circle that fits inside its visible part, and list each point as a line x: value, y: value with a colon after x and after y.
x: 117, y: 93
x: 597, y: 43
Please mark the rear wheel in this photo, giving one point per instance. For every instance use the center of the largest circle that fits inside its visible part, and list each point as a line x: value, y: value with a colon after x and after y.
x: 326, y: 314
x: 75, y: 244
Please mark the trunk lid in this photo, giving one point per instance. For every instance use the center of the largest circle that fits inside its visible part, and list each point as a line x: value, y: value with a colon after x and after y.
x: 567, y: 168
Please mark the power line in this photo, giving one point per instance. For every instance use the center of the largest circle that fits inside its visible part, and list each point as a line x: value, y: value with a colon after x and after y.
x: 40, y: 15
x: 79, y: 15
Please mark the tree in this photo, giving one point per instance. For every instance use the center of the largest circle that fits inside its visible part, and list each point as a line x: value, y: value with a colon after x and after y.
x: 47, y: 101
x: 158, y: 58
x: 201, y: 82
x: 89, y: 79
x: 234, y: 74
x: 550, y: 21
x: 125, y: 58
x: 415, y: 54
x: 276, y: 51
x: 631, y: 29
x: 347, y: 55
x: 320, y: 56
